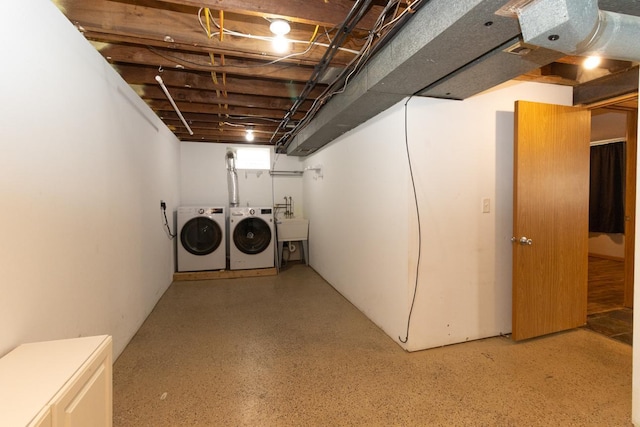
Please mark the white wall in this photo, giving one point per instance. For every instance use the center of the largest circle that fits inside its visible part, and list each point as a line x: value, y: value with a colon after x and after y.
x: 607, y: 244
x: 358, y: 219
x: 363, y: 234
x: 464, y: 154
x: 608, y: 126
x: 635, y: 393
x: 204, y: 179
x: 83, y: 168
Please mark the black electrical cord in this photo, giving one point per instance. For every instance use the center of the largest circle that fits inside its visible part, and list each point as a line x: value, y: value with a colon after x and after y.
x: 354, y: 16
x: 166, y: 223
x: 342, y: 79
x: 415, y: 198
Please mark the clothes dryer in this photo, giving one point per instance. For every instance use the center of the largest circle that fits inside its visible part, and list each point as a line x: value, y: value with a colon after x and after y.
x: 201, y: 234
x: 252, y: 238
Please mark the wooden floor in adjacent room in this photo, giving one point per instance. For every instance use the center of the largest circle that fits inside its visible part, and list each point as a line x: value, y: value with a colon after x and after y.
x: 606, y: 313
x: 606, y: 285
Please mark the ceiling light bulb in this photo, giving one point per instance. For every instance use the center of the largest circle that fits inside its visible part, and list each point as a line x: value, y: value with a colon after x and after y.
x: 249, y: 135
x: 281, y: 44
x: 591, y: 62
x: 280, y: 27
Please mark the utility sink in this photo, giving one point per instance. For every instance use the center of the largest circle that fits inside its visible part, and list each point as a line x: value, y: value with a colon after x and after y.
x: 292, y: 229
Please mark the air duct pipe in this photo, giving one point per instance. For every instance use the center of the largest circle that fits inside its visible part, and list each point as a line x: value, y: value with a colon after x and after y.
x: 578, y: 27
x: 232, y: 179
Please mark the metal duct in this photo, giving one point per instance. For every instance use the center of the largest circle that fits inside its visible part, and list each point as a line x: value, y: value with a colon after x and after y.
x: 448, y: 49
x: 232, y: 179
x: 578, y: 27
x: 440, y: 38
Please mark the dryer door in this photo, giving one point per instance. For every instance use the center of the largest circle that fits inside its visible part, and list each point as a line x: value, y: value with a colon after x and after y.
x: 201, y: 236
x: 252, y: 235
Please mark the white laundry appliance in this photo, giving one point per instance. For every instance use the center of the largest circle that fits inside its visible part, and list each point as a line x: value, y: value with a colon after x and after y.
x: 252, y: 238
x: 201, y: 233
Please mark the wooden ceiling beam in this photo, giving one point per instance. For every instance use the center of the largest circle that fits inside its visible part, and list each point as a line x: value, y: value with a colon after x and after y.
x: 228, y: 48
x: 99, y: 38
x: 607, y: 87
x: 197, y: 107
x: 537, y: 76
x: 118, y: 21
x: 183, y: 135
x: 215, y: 114
x: 314, y: 12
x: 209, y: 97
x: 231, y: 113
x: 137, y: 75
x: 179, y: 60
x: 221, y: 133
x: 223, y: 125
x: 612, y: 65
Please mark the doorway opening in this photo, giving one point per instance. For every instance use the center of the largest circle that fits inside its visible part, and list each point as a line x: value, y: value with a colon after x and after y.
x: 611, y: 254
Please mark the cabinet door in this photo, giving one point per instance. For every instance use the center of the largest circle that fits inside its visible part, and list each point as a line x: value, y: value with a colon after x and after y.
x: 87, y: 400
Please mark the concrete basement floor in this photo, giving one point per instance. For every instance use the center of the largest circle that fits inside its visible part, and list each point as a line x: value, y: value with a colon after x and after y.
x: 288, y: 350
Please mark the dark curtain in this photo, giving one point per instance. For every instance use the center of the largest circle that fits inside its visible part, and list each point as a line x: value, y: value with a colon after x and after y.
x: 606, y: 191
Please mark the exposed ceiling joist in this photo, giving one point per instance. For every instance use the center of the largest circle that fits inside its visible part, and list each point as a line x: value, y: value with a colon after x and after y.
x: 308, y: 12
x: 218, y: 62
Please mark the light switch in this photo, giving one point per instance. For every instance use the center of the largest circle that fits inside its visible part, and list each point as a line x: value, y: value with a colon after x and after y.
x: 486, y: 205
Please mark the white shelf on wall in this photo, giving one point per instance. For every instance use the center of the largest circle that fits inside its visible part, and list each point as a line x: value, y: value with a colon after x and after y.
x: 286, y: 173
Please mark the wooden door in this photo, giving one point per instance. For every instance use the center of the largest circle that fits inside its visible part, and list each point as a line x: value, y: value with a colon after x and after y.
x: 551, y: 221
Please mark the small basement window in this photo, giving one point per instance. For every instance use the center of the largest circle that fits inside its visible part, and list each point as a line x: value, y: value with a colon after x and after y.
x: 253, y: 158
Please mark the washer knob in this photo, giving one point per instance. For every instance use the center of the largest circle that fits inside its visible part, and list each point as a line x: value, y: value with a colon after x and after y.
x: 252, y: 211
x: 200, y: 211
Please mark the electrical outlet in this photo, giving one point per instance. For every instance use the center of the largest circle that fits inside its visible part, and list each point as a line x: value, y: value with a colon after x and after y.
x: 163, y: 205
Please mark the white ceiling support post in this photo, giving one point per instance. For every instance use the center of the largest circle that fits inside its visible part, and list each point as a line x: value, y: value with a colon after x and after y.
x: 578, y: 27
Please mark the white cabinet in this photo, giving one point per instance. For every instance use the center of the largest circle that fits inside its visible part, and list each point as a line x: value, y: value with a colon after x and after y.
x: 58, y: 383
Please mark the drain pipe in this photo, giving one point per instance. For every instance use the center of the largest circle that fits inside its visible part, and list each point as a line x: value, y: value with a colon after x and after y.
x: 232, y: 179
x: 173, y: 104
x: 578, y: 27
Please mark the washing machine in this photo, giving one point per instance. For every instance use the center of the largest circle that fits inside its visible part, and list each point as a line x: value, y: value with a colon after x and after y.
x: 201, y: 234
x: 252, y: 238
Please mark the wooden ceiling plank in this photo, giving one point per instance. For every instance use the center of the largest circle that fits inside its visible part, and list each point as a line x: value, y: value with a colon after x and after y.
x: 143, y: 38
x: 213, y: 131
x: 180, y: 60
x: 183, y: 135
x: 106, y: 21
x: 224, y: 124
x: 241, y: 48
x: 230, y: 48
x: 137, y: 75
x: 204, y: 97
x: 240, y: 133
x: 214, y: 109
x: 313, y: 12
x: 232, y: 113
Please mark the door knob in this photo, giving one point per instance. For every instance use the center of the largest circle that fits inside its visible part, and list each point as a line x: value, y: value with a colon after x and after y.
x: 523, y: 240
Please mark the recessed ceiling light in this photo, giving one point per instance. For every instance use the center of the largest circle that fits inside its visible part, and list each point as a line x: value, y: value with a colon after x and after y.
x: 591, y: 62
x: 279, y: 27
